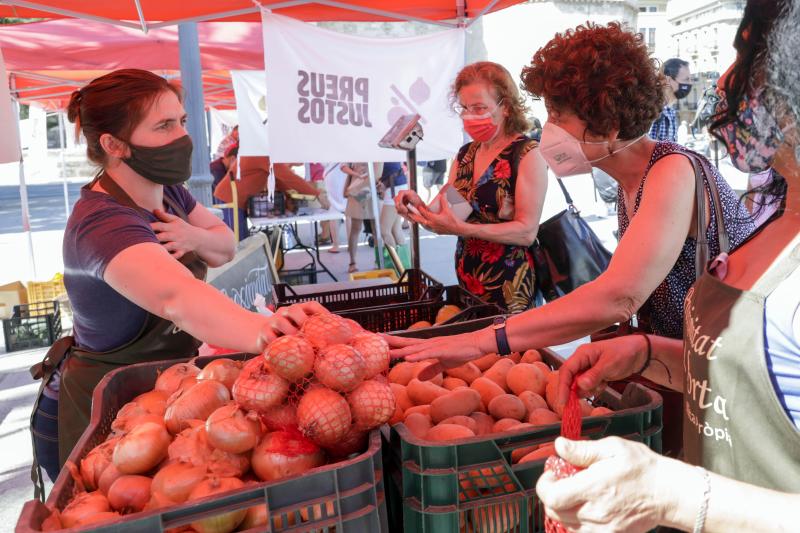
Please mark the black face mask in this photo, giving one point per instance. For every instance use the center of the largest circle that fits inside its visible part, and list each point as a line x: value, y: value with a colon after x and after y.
x: 683, y: 90
x: 170, y: 164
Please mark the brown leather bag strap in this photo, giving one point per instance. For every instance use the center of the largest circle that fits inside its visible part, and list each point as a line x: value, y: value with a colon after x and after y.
x: 702, y: 251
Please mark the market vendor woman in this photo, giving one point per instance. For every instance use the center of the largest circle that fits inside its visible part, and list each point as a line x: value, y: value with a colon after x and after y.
x: 136, y: 251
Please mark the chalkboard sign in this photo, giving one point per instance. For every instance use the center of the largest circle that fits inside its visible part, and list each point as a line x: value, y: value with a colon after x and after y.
x: 247, y: 275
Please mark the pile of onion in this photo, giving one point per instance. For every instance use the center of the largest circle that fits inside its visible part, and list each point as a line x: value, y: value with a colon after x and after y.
x: 96, y: 462
x: 232, y: 430
x: 141, y: 449
x: 196, y: 403
x: 170, y: 379
x: 129, y: 494
x: 223, y: 370
x: 257, y: 389
x: 285, y: 453
x: 177, y: 480
x: 223, y: 523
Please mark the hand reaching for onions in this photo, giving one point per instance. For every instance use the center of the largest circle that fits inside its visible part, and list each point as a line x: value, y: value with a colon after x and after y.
x: 287, y: 321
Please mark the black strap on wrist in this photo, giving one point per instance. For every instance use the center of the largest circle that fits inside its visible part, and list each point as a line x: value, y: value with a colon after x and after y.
x: 500, y: 336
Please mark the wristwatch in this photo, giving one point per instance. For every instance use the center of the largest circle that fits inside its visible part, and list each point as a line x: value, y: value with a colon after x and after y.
x: 499, y: 326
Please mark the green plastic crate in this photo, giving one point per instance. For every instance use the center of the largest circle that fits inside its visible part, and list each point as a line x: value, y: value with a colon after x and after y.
x: 432, y: 486
x: 345, y: 497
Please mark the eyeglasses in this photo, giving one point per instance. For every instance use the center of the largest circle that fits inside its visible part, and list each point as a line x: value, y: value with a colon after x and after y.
x: 474, y: 109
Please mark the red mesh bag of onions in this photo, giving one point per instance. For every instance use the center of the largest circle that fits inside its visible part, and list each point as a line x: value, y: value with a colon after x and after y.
x: 328, y: 381
x: 570, y: 429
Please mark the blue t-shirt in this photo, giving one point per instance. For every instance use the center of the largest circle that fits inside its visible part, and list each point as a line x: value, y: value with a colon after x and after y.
x: 98, y: 229
x: 396, y: 170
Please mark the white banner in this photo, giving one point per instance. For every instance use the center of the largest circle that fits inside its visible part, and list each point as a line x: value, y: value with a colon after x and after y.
x: 9, y: 135
x: 251, y: 106
x: 332, y: 97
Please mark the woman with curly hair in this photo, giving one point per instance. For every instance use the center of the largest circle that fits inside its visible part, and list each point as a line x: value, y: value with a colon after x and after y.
x: 503, y: 177
x: 602, y: 92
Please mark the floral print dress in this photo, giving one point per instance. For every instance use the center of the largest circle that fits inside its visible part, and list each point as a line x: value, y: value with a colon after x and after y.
x: 498, y: 273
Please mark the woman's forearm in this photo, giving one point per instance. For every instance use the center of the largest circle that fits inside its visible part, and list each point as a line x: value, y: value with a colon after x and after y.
x: 732, y: 505
x: 512, y: 232
x: 666, y: 362
x: 215, y: 245
x: 229, y: 326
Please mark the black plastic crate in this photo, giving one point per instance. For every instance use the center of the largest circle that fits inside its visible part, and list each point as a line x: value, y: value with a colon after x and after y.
x: 413, y: 285
x: 261, y: 206
x: 345, y: 497
x: 32, y: 325
x: 300, y: 276
x: 400, y: 317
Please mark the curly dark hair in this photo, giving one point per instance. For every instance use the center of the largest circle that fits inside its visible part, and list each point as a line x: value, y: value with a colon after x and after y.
x: 603, y: 74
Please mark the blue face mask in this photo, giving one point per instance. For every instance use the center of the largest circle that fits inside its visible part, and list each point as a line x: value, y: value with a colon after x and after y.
x: 754, y: 138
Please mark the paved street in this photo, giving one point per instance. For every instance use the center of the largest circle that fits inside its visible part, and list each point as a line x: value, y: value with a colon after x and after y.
x: 46, y: 206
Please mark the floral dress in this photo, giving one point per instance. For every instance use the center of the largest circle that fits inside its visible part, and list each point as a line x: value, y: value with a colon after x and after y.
x: 498, y: 273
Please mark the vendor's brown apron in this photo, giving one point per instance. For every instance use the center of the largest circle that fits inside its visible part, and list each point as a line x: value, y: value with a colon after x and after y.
x: 734, y: 424
x: 82, y: 370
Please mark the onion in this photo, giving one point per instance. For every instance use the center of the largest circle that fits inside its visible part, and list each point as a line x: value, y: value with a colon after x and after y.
x: 280, y: 417
x: 129, y: 494
x: 257, y: 389
x: 291, y: 357
x: 223, y: 523
x: 223, y: 370
x: 95, y: 463
x: 170, y: 379
x: 53, y: 521
x: 141, y: 449
x: 323, y: 416
x: 225, y: 464
x: 231, y: 430
x: 195, y: 403
x: 177, y: 480
x: 285, y: 453
x: 153, y: 402
x: 82, y: 506
x: 191, y: 446
x: 157, y: 500
x: 354, y: 442
x: 110, y: 475
x: 123, y: 426
x: 97, y: 518
x: 256, y: 517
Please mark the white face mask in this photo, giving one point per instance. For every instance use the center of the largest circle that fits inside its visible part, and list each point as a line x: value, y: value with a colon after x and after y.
x: 563, y: 152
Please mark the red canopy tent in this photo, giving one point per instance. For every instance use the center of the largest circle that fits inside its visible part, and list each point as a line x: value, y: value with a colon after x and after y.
x: 152, y: 14
x: 47, y: 74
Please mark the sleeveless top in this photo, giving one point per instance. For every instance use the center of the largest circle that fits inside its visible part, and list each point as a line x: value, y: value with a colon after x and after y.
x: 498, y: 273
x: 663, y: 310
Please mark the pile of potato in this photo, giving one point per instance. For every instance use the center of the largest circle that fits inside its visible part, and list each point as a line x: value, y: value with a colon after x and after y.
x: 490, y: 395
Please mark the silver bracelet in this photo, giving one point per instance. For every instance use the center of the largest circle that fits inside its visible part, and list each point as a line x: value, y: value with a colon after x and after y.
x: 700, y: 521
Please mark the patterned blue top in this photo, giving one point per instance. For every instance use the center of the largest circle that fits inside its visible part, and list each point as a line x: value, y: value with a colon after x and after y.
x: 665, y: 128
x: 663, y: 310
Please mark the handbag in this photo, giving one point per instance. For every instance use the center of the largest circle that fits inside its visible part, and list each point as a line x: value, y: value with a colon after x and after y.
x: 566, y: 252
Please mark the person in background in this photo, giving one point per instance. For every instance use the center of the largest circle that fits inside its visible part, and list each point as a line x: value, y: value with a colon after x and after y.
x: 678, y: 85
x: 359, y: 206
x: 738, y: 364
x: 393, y: 180
x: 503, y: 176
x: 136, y: 250
x: 330, y: 228
x: 219, y: 167
x: 228, y: 140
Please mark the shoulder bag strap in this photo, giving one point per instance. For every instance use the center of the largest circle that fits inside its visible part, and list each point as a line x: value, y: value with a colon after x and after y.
x: 702, y: 251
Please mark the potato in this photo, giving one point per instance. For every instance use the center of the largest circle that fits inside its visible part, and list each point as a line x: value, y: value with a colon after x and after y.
x: 526, y: 377
x: 498, y: 372
x: 418, y: 424
x: 519, y: 453
x: 401, y: 396
x: 422, y: 324
x: 467, y: 372
x: 487, y: 388
x: 539, y: 455
x: 551, y: 393
x: 546, y: 370
x: 485, y: 363
x: 522, y: 426
x: 398, y: 416
x: 446, y: 312
x: 424, y: 392
x: 531, y: 356
x: 402, y: 373
x: 543, y: 417
x: 484, y: 423
x: 499, y: 517
x: 481, y: 408
x: 504, y: 424
x: 453, y: 383
x: 532, y: 401
x: 507, y: 406
x: 422, y: 365
x: 601, y: 411
x: 448, y: 432
x: 423, y: 409
x: 461, y: 420
x: 454, y: 403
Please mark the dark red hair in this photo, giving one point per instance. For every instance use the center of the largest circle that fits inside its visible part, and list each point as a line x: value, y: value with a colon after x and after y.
x: 115, y: 104
x: 602, y: 74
